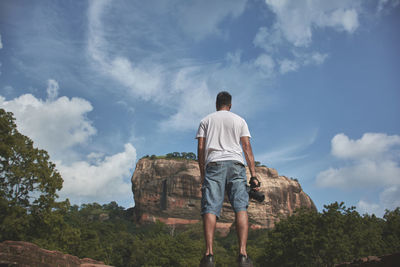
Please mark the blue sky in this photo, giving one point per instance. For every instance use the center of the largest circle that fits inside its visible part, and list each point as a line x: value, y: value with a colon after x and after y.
x: 99, y: 84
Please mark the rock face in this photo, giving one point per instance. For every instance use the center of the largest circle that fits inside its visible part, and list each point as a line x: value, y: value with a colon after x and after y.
x: 169, y: 190
x: 25, y: 254
x: 392, y: 260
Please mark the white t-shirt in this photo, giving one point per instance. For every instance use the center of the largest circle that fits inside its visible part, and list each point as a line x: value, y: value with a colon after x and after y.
x: 222, y: 131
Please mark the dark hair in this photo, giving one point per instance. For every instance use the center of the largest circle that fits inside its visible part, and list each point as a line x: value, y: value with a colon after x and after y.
x: 223, y: 99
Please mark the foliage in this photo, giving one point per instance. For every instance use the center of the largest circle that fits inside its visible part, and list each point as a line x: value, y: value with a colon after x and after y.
x: 338, y: 234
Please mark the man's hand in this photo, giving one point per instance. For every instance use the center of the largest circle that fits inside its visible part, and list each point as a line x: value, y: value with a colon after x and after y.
x: 255, y: 183
x: 201, y: 157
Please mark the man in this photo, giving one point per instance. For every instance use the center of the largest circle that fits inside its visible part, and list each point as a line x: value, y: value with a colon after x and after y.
x: 221, y: 137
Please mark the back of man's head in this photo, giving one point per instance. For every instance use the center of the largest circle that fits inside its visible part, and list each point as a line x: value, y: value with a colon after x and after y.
x: 223, y: 99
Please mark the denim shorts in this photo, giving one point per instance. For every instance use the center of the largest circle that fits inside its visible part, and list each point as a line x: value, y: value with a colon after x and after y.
x: 218, y: 176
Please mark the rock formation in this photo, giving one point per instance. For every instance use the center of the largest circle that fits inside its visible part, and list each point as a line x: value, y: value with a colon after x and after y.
x: 25, y: 254
x: 169, y: 190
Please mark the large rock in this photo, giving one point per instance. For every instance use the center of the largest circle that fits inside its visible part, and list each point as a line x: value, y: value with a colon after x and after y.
x: 25, y: 254
x: 169, y: 190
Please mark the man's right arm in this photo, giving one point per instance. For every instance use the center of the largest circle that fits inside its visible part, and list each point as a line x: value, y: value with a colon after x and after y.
x: 201, y: 156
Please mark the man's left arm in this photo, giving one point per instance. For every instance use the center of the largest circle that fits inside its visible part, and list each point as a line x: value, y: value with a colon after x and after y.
x: 248, y: 154
x: 201, y: 156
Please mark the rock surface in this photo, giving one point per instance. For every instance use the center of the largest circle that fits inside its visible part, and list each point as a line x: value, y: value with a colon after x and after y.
x: 169, y: 190
x: 392, y: 260
x: 25, y: 254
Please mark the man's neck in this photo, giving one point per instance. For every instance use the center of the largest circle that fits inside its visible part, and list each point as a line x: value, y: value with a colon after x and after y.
x: 224, y: 108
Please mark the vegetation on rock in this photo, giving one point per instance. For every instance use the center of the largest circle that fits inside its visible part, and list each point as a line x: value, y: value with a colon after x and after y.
x: 174, y: 155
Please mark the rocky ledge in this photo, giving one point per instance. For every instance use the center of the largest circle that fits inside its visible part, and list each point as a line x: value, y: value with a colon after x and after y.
x: 392, y: 260
x: 169, y: 190
x: 25, y: 254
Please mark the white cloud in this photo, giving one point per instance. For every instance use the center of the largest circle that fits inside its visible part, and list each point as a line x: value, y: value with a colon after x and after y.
x: 195, y: 102
x: 297, y: 19
x: 382, y: 4
x: 389, y: 199
x: 289, y: 152
x: 54, y: 125
x: 287, y: 65
x: 370, y: 208
x: 301, y: 59
x: 52, y: 89
x: 372, y: 161
x: 370, y: 146
x: 362, y: 173
x: 268, y: 39
x: 314, y: 58
x: 142, y: 80
x: 265, y: 63
x: 105, y: 180
x: 1, y: 44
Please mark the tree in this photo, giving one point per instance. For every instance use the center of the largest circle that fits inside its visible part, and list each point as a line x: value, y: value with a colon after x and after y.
x: 191, y: 155
x: 27, y: 178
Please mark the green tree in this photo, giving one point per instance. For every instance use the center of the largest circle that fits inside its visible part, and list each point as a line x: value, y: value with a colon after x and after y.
x: 27, y: 177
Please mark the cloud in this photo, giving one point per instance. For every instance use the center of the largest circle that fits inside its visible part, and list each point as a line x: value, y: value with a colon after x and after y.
x: 107, y: 179
x: 55, y: 124
x: 148, y: 77
x: 265, y: 63
x: 52, y: 90
x: 387, y: 4
x: 287, y: 65
x: 268, y: 39
x: 289, y: 152
x: 369, y: 208
x: 370, y: 146
x: 143, y: 80
x: 388, y: 200
x: 390, y: 197
x: 193, y: 106
x: 295, y: 20
x: 373, y: 161
x: 1, y: 44
x: 301, y: 59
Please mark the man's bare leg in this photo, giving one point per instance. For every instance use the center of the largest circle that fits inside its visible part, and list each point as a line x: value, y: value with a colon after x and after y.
x: 209, y: 223
x: 242, y: 228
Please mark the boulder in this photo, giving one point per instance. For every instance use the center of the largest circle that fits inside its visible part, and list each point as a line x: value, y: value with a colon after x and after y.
x: 25, y: 254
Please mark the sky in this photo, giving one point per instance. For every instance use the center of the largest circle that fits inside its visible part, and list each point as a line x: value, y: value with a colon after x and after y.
x: 100, y: 84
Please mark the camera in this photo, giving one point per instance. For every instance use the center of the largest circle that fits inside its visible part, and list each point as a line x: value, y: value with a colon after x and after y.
x: 253, y: 193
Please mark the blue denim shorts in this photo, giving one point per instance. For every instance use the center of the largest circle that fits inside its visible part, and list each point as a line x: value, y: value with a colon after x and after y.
x: 221, y: 175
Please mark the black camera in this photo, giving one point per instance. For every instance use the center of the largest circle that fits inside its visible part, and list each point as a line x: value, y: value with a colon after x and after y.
x: 253, y: 193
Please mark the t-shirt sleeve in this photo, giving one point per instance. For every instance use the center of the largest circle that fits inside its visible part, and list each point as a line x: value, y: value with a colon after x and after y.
x: 201, y: 132
x: 245, y: 130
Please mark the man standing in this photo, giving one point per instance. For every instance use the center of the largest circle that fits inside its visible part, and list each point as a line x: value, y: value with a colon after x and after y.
x: 221, y: 137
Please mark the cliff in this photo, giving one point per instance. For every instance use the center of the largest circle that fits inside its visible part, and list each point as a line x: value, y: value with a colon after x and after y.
x: 25, y: 254
x: 169, y: 190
